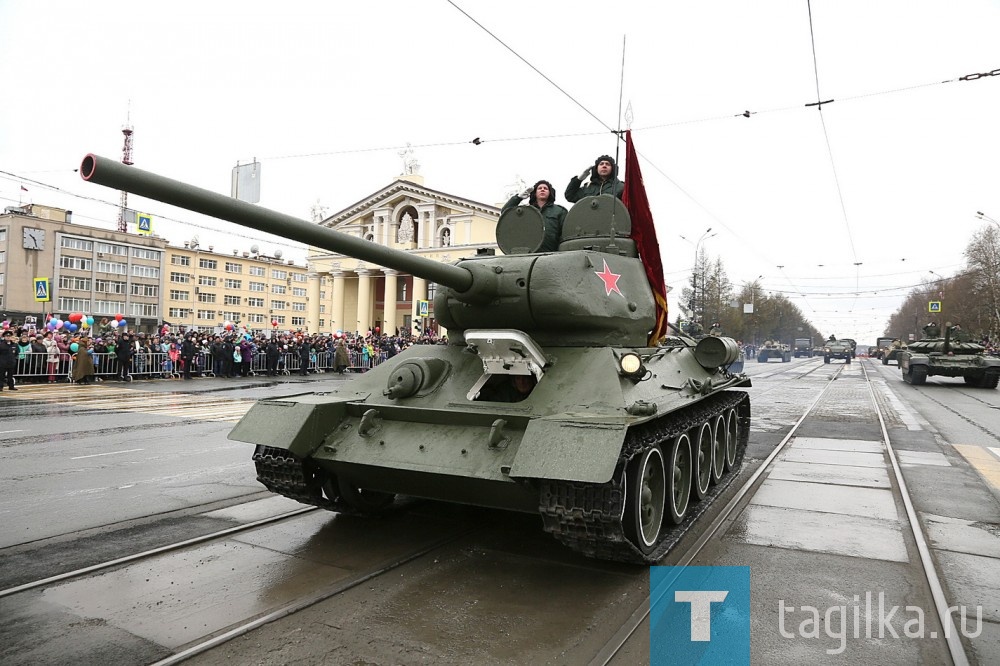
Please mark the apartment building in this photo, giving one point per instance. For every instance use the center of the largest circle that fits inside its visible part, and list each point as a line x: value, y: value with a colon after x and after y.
x: 49, y: 264
x: 205, y: 289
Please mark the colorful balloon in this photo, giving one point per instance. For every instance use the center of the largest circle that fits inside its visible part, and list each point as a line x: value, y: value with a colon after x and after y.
x: 113, y: 324
x: 118, y: 317
x: 74, y: 347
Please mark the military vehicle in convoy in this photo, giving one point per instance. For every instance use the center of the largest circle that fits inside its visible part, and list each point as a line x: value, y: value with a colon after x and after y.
x: 948, y: 357
x: 773, y: 349
x: 887, y: 349
x: 854, y: 346
x: 840, y: 349
x: 549, y: 397
x: 881, y: 346
x: 803, y: 347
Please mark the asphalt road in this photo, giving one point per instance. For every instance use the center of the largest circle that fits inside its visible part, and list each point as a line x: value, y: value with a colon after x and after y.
x: 94, y: 472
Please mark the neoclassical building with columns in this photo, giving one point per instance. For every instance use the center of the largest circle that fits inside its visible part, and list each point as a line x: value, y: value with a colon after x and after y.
x: 347, y: 294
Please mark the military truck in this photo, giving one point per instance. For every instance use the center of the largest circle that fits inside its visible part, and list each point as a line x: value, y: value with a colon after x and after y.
x: 803, y: 347
x: 840, y: 349
x: 854, y: 345
x: 881, y: 347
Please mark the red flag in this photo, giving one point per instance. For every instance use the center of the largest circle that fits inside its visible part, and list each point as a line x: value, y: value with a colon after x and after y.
x: 24, y: 189
x: 644, y: 235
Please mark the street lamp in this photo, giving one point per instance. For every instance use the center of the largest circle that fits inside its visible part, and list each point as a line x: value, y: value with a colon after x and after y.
x: 983, y: 216
x: 694, y: 273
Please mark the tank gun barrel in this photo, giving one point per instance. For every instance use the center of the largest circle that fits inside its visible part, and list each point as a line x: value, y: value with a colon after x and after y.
x: 108, y: 172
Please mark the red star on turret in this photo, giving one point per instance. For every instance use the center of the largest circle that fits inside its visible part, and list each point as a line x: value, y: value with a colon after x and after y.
x: 610, y: 280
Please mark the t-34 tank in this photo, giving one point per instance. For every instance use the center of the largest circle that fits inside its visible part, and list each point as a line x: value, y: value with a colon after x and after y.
x: 934, y: 355
x: 548, y: 398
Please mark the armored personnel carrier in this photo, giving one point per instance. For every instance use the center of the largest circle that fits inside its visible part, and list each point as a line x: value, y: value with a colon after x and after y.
x: 948, y: 357
x: 549, y: 397
x: 771, y: 349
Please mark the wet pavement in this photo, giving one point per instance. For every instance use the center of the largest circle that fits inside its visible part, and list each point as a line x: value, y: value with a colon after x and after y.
x: 825, y: 529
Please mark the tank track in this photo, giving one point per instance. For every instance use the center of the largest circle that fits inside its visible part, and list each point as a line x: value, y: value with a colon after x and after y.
x: 587, y: 517
x: 286, y: 474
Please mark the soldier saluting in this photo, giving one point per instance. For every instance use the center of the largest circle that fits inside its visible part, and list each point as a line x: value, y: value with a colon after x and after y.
x: 603, y: 180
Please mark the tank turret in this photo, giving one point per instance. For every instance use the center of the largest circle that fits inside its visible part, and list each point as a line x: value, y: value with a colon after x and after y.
x: 549, y: 296
x: 549, y: 398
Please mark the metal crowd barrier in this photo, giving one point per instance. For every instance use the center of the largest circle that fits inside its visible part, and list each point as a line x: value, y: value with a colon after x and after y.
x: 36, y: 366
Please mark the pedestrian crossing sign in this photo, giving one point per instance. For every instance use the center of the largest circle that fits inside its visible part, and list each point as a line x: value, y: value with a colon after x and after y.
x: 423, y: 308
x: 144, y: 223
x: 42, y: 291
x: 934, y: 306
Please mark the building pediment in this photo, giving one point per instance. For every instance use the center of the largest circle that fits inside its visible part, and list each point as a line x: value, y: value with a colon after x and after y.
x: 404, y: 193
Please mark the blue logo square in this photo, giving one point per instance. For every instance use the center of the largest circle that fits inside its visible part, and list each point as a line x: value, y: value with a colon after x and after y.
x: 699, y: 615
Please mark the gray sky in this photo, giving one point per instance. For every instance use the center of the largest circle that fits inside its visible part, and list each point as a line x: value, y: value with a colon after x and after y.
x: 857, y: 203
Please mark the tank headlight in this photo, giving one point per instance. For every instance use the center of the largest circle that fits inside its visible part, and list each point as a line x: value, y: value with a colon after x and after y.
x: 631, y: 365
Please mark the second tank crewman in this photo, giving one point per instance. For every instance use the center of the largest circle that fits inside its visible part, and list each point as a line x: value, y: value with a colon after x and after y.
x: 603, y: 180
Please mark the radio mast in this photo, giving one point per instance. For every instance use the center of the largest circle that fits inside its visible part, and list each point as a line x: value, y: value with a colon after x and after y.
x: 126, y: 159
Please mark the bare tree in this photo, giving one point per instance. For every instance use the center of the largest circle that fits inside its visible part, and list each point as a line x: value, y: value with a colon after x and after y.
x: 983, y: 257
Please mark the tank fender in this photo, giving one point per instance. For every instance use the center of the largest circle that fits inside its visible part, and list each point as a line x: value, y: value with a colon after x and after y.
x: 297, y: 423
x: 569, y: 450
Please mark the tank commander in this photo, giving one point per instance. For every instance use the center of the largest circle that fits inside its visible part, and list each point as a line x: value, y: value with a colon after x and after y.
x: 932, y: 330
x: 715, y: 330
x: 603, y: 180
x: 543, y: 197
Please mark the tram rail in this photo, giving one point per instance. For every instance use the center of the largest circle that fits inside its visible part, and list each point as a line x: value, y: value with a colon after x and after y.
x: 740, y: 499
x: 146, y: 554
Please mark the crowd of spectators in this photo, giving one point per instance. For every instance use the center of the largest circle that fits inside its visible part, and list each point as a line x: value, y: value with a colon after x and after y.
x: 115, y: 353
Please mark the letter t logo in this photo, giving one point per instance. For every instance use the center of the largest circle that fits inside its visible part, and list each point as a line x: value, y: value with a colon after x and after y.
x: 701, y: 610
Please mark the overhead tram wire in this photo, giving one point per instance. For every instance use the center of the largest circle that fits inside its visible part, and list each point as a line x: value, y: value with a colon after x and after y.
x: 829, y: 148
x: 537, y: 71
x: 159, y: 216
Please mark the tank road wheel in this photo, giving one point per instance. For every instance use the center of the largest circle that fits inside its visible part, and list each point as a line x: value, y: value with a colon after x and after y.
x: 704, y: 443
x: 682, y: 466
x: 991, y: 380
x: 368, y: 501
x: 732, y: 438
x: 720, y: 437
x: 647, y: 496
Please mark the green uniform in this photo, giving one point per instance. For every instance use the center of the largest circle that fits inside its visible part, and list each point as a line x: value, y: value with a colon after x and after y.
x: 553, y: 214
x: 597, y: 186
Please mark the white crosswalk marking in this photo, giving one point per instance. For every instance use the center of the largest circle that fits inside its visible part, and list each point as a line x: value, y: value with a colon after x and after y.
x: 102, y: 397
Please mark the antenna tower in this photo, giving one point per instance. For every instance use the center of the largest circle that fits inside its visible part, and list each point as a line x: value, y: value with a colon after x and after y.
x: 126, y: 159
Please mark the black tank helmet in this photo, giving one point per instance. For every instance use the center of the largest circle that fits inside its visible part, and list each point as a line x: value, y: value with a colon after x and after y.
x: 604, y: 158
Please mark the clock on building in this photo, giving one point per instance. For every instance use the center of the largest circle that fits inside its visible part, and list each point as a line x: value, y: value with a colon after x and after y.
x: 33, y: 239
